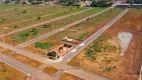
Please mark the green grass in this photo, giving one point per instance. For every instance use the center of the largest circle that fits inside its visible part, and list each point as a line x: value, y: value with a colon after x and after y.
x: 35, y: 13
x: 43, y: 45
x: 83, y: 35
x: 60, y: 23
x: 5, y: 6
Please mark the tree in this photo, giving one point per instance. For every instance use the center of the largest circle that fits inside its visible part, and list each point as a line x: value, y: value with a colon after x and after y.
x: 7, y: 1
x: 102, y: 3
x: 38, y: 18
x: 34, y: 31
x: 30, y: 1
x: 138, y: 1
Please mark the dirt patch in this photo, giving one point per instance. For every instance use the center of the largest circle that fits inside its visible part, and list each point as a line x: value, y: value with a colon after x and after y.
x: 51, y: 70
x: 7, y: 51
x: 68, y: 76
x: 26, y: 60
x: 110, y: 63
x: 9, y: 73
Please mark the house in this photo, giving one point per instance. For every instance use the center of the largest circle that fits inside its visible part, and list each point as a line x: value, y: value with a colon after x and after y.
x: 85, y: 3
x: 52, y: 3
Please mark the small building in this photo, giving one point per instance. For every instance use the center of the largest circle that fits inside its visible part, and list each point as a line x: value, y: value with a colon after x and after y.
x: 122, y: 5
x: 63, y: 49
x: 85, y: 3
x: 60, y: 51
x: 137, y: 5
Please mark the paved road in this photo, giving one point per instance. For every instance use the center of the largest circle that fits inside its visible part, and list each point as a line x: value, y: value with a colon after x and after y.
x: 78, y: 72
x: 26, y: 53
x: 60, y: 29
x: 84, y: 44
x: 48, y: 21
x: 140, y: 76
x: 37, y: 74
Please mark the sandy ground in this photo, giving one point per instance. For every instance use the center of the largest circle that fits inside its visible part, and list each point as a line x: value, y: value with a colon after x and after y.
x: 127, y: 66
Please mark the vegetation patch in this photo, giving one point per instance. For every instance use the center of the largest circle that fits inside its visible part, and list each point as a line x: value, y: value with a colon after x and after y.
x: 41, y: 45
x: 100, y: 46
x: 83, y: 35
x: 9, y: 73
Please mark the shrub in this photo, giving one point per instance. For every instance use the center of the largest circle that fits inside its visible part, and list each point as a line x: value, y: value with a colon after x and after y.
x: 25, y: 34
x: 38, y: 18
x: 16, y: 26
x: 24, y: 11
x: 83, y: 35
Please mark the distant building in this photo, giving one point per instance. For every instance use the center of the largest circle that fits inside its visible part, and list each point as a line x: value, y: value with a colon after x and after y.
x: 137, y: 5
x: 2, y: 1
x: 122, y: 5
x: 85, y: 3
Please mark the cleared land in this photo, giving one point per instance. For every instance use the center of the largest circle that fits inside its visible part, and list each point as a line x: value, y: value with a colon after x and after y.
x: 103, y: 55
x: 9, y: 73
x: 35, y: 14
x: 50, y: 70
x: 21, y: 58
x: 40, y: 30
x: 67, y: 76
x: 81, y: 32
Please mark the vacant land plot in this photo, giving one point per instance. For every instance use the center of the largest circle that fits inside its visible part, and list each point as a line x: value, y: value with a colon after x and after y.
x: 40, y: 30
x: 68, y: 76
x: 9, y: 73
x: 50, y: 70
x: 103, y: 55
x: 81, y: 32
x: 32, y: 15
x: 26, y: 60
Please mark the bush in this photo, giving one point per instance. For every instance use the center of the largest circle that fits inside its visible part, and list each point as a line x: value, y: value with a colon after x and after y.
x: 46, y: 26
x: 24, y: 11
x: 34, y: 31
x: 25, y: 34
x: 83, y: 35
x: 38, y: 18
x: 16, y: 26
x: 43, y: 45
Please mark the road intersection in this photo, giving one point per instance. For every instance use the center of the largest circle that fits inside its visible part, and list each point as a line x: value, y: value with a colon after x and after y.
x: 58, y: 64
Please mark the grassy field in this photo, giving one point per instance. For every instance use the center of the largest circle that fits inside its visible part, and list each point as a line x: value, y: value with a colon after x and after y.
x: 9, y: 73
x: 25, y: 17
x: 40, y: 30
x: 6, y: 6
x: 81, y: 31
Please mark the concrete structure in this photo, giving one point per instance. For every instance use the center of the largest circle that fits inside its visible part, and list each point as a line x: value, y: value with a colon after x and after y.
x: 122, y: 5
x: 137, y: 5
